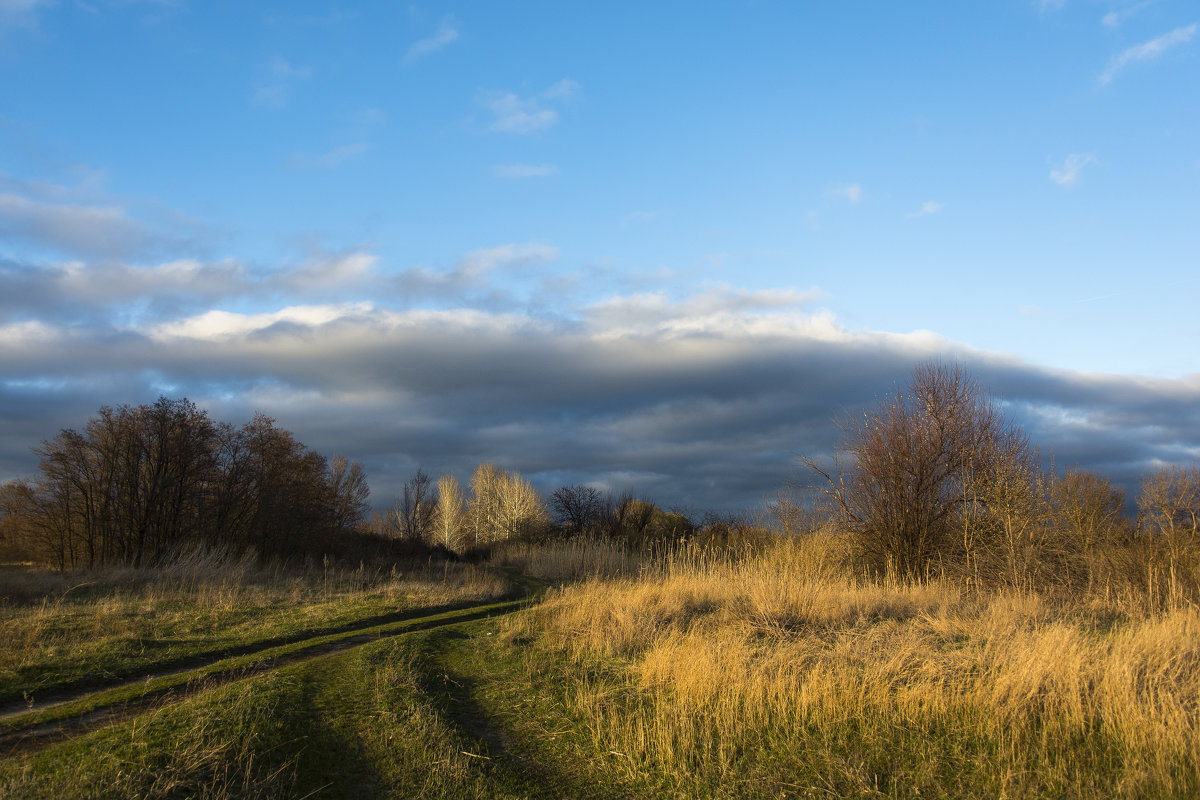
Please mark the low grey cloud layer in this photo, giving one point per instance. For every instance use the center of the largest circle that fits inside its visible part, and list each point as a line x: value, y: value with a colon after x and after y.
x: 701, y: 402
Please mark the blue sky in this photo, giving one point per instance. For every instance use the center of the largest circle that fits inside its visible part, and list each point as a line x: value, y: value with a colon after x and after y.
x: 640, y: 246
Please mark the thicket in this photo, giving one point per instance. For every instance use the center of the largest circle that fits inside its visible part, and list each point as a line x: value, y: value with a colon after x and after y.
x: 140, y: 483
x: 935, y: 482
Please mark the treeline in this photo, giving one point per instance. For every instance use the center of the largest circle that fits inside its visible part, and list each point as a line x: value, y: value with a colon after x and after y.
x: 141, y: 482
x: 498, y: 505
x: 933, y: 482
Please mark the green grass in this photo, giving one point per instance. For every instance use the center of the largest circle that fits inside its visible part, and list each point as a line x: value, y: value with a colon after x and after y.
x: 105, y: 628
x: 228, y: 668
x: 444, y: 713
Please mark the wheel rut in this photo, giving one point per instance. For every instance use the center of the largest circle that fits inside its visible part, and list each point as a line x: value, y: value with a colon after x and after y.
x: 25, y: 732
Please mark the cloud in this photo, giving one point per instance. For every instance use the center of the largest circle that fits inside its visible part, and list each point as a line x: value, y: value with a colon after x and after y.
x: 1118, y: 17
x: 1068, y: 173
x: 446, y: 34
x: 472, y: 275
x: 517, y: 171
x: 341, y: 271
x: 701, y: 400
x: 1049, y: 6
x: 852, y: 192
x: 563, y: 90
x: 274, y: 89
x: 102, y: 231
x: 331, y: 159
x: 1148, y: 51
x: 512, y: 113
x: 927, y: 208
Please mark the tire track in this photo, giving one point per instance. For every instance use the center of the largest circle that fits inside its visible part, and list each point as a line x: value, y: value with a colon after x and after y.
x: 30, y: 731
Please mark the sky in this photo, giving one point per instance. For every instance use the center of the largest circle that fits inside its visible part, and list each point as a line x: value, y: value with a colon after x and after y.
x: 655, y: 247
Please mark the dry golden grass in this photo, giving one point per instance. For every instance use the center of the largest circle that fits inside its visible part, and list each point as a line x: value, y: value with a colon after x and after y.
x: 572, y: 559
x: 729, y: 661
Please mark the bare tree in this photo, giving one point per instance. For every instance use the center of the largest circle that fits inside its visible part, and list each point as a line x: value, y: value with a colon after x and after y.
x: 450, y: 514
x: 1170, y: 500
x: 1169, y: 504
x: 415, y: 511
x: 577, y: 507
x: 504, y: 505
x: 1088, y: 506
x: 903, y: 470
x: 348, y: 485
x: 139, y: 482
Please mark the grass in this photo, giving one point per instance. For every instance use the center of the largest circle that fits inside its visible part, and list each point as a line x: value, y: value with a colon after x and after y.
x: 68, y: 632
x: 417, y: 716
x: 699, y: 673
x: 773, y: 675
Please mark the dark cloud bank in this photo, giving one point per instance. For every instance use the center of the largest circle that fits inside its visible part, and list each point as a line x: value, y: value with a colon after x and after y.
x: 693, y: 404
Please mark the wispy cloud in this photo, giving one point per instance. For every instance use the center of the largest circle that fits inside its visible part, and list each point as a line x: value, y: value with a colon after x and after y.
x: 927, y: 208
x: 90, y: 230
x: 1049, y: 6
x: 1118, y: 17
x: 1068, y: 173
x: 473, y: 273
x: 517, y: 171
x: 334, y: 158
x: 273, y: 90
x: 446, y: 34
x: 852, y: 192
x: 1148, y: 51
x: 512, y: 113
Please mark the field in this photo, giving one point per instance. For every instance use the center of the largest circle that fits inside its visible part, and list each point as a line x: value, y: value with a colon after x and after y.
x: 581, y: 671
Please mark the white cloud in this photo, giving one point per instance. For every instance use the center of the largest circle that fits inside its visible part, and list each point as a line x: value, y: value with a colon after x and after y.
x: 853, y: 192
x: 512, y: 113
x: 446, y: 34
x: 471, y: 273
x: 225, y: 325
x: 274, y: 89
x: 1148, y: 51
x: 1068, y: 173
x: 334, y: 272
x: 927, y: 208
x: 334, y: 158
x: 515, y: 171
x: 564, y: 89
x: 1118, y: 17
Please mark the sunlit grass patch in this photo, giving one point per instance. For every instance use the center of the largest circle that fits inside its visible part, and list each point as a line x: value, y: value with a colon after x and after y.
x: 774, y: 674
